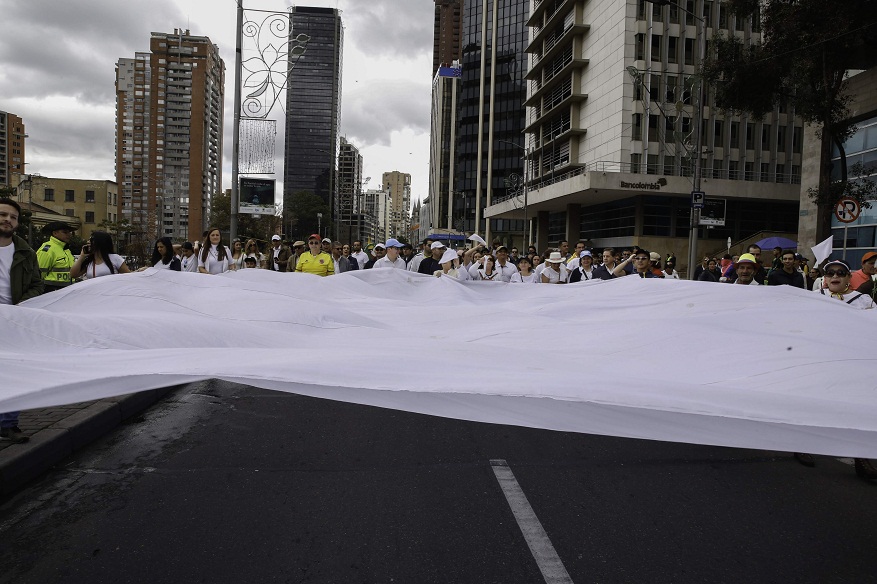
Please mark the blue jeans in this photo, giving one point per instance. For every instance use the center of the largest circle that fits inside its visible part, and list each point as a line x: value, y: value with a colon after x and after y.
x: 9, y: 420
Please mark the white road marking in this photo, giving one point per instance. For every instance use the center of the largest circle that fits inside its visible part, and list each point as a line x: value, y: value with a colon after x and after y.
x: 540, y: 546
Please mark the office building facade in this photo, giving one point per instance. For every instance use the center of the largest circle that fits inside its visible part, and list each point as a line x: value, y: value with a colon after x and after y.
x: 490, y: 116
x: 350, y: 204
x: 313, y: 110
x: 397, y: 185
x: 612, y: 114
x: 169, y: 119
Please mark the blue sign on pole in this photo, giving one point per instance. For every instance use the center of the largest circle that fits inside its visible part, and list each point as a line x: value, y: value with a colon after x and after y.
x: 697, y: 199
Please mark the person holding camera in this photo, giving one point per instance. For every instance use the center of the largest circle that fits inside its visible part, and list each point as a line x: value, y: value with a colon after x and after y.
x: 98, y: 258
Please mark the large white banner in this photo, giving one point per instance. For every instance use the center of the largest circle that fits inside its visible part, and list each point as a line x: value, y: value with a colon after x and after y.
x: 749, y: 366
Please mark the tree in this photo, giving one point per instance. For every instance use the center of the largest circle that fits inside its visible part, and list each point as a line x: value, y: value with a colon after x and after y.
x: 302, y: 214
x: 120, y: 230
x: 807, y: 49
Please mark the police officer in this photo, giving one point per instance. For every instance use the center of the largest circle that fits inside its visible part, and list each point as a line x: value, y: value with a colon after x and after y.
x: 54, y: 258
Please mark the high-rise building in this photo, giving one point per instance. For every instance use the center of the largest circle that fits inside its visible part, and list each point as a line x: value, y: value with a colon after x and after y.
x: 490, y: 115
x: 313, y: 109
x: 350, y: 204
x: 169, y: 106
x: 447, y: 33
x: 11, y: 147
x: 447, y: 53
x: 612, y: 114
x: 398, y: 186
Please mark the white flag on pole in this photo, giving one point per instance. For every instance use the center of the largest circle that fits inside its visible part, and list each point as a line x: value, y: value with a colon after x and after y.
x: 821, y: 251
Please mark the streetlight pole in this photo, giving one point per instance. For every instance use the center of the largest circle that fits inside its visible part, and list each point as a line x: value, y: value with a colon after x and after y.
x: 527, y: 221
x: 320, y: 225
x: 698, y: 132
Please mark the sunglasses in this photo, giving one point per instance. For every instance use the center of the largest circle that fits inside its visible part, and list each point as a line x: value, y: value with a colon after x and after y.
x: 641, y: 258
x: 313, y: 243
x: 841, y: 273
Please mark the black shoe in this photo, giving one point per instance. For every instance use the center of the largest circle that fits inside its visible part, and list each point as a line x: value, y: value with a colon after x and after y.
x: 805, y: 459
x: 13, y: 434
x: 865, y: 469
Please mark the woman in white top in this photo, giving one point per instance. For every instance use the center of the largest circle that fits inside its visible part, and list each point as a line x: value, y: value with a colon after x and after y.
x: 450, y: 263
x: 488, y: 271
x: 97, y: 258
x: 251, y: 250
x: 237, y: 254
x: 670, y: 269
x: 555, y: 271
x: 525, y: 274
x: 163, y: 256
x: 215, y: 256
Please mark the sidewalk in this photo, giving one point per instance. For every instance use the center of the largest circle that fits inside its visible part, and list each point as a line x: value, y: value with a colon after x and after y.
x: 57, y: 432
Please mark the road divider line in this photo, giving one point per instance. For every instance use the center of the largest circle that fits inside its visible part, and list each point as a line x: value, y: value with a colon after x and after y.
x: 537, y: 540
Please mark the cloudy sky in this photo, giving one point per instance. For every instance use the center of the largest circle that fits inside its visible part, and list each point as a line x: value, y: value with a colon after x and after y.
x: 57, y: 64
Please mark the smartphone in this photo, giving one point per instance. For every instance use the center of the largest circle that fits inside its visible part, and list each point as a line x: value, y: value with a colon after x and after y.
x: 86, y: 248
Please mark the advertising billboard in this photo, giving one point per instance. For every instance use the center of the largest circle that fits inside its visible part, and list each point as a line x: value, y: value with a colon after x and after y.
x: 256, y: 196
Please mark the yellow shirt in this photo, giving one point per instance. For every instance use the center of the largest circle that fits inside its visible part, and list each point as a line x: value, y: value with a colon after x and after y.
x: 321, y: 265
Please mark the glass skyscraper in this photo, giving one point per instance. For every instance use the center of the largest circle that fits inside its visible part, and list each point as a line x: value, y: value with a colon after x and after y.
x: 313, y: 106
x: 497, y: 92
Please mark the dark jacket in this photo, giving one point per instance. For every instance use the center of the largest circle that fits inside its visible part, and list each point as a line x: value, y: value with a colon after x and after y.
x: 780, y: 277
x: 26, y: 280
x: 283, y: 259
x: 429, y: 266
x: 601, y: 272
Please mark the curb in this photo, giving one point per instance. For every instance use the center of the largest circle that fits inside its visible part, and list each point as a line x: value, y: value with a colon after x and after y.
x: 49, y: 446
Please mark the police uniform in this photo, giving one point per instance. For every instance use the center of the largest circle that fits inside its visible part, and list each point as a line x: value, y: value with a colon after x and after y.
x: 55, y: 262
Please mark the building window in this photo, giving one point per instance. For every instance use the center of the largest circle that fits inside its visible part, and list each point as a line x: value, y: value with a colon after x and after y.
x: 89, y: 196
x: 69, y: 196
x: 70, y: 212
x: 89, y: 216
x: 673, y: 49
x: 735, y: 134
x: 750, y: 136
x: 635, y: 163
x: 689, y: 51
x: 640, y: 47
x: 637, y: 127
x: 765, y: 137
x: 49, y: 195
x: 656, y: 47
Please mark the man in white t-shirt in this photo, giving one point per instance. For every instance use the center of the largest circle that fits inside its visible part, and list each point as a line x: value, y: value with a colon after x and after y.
x: 392, y: 259
x: 504, y: 268
x: 425, y: 252
x: 20, y: 279
x: 361, y: 256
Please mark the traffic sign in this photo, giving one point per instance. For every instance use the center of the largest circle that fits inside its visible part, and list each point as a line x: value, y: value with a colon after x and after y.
x: 697, y: 199
x: 847, y: 210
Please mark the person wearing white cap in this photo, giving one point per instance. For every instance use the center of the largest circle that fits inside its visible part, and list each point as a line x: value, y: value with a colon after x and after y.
x: 585, y: 270
x: 555, y: 271
x: 450, y: 263
x: 430, y: 264
x: 392, y: 259
x: 278, y: 256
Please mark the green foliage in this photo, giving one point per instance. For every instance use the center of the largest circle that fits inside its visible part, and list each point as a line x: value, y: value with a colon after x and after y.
x: 808, y: 47
x: 302, y: 214
x: 858, y: 187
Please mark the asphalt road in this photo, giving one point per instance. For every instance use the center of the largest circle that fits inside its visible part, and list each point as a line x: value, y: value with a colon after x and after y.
x: 227, y: 483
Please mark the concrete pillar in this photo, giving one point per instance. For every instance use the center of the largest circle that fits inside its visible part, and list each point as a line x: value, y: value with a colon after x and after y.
x: 573, y: 223
x: 541, y: 231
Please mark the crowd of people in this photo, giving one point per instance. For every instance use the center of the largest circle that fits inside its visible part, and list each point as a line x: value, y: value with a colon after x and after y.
x: 25, y: 273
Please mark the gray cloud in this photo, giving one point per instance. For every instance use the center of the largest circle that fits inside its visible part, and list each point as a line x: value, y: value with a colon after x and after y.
x: 390, y: 27
x: 70, y: 48
x: 375, y: 109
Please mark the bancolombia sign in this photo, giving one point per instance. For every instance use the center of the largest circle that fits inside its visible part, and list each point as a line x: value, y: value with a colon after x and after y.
x: 655, y: 186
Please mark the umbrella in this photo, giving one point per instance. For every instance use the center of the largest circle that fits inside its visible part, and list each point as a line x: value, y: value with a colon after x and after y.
x: 772, y: 242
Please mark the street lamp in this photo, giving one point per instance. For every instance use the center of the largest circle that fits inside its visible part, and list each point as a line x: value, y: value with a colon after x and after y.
x: 319, y: 224
x: 525, y: 158
x: 698, y: 135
